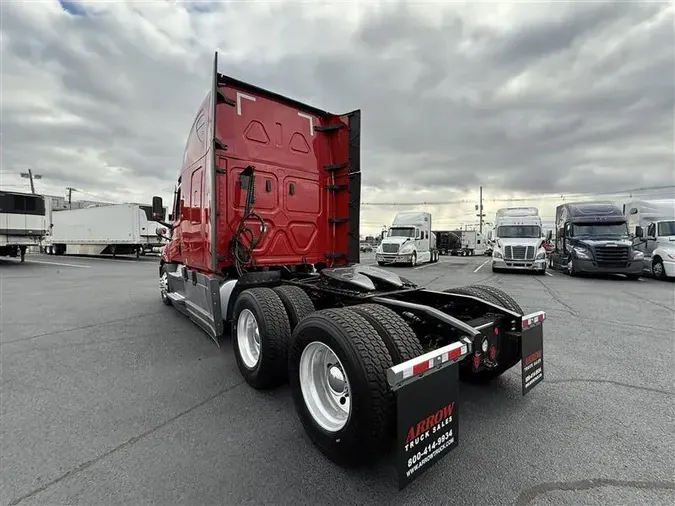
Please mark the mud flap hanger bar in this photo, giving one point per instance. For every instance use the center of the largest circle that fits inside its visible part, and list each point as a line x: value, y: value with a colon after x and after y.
x: 407, y: 372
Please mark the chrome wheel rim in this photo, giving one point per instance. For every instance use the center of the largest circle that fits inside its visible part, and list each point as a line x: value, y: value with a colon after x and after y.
x: 248, y: 338
x: 413, y: 259
x: 164, y: 285
x: 325, y: 387
x: 570, y: 266
x: 657, y: 269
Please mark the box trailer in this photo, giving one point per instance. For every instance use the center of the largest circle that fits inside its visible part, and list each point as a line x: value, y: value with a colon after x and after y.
x: 22, y: 222
x: 473, y: 243
x: 447, y: 241
x: 116, y: 229
x: 372, y: 359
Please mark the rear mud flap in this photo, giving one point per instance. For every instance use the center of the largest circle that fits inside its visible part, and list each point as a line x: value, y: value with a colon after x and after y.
x: 532, y: 350
x: 427, y: 426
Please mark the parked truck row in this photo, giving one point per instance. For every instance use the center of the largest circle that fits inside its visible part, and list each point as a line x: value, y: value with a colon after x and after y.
x: 372, y: 360
x: 590, y: 238
x: 27, y: 220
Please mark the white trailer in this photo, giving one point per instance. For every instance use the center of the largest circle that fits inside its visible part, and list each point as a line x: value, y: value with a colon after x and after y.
x: 473, y: 243
x: 116, y: 229
x: 518, y: 240
x: 409, y: 240
x: 22, y: 222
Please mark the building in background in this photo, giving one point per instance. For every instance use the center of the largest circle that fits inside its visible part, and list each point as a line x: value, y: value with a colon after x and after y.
x: 61, y: 203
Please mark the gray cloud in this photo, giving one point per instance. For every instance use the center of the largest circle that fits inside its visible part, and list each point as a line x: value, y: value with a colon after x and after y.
x: 577, y: 99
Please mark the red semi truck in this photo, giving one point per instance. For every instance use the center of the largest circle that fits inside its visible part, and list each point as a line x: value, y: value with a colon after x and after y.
x: 264, y: 246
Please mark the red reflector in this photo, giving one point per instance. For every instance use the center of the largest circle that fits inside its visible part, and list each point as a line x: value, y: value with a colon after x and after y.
x: 455, y: 354
x: 420, y: 368
x: 493, y: 352
x: 476, y: 361
x: 496, y: 331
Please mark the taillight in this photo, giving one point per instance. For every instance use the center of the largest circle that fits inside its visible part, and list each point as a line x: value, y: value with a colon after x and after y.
x: 493, y: 353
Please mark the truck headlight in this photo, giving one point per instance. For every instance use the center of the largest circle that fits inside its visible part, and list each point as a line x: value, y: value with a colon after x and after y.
x: 407, y: 248
x: 540, y: 255
x: 638, y: 255
x: 582, y: 253
x: 497, y: 254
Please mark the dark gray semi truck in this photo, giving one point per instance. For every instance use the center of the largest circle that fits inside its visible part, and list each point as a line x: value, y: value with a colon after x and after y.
x: 593, y: 238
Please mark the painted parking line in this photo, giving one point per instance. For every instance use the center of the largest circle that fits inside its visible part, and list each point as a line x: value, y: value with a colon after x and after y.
x: 549, y: 274
x: 480, y: 266
x: 57, y: 263
x: 425, y: 265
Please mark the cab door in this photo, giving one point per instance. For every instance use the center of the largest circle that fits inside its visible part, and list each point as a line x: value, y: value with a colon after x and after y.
x: 193, y: 224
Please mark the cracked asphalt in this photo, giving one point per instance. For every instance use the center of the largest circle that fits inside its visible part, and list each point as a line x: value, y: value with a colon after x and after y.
x: 109, y: 397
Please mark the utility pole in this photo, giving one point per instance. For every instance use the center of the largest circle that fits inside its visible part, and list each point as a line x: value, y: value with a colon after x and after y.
x: 480, y: 214
x: 70, y: 196
x: 29, y: 175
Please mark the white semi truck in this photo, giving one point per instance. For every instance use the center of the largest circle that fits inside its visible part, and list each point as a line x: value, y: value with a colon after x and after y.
x: 408, y: 241
x: 116, y: 229
x: 518, y: 240
x: 653, y: 224
x: 22, y: 222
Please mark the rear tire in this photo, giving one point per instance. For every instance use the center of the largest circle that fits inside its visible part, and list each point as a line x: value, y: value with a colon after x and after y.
x: 260, y: 335
x: 509, y: 354
x: 398, y: 337
x: 504, y: 298
x: 296, y: 301
x: 362, y: 358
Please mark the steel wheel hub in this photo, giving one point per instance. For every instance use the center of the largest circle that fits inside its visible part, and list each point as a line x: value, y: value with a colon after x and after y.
x: 164, y: 285
x: 325, y: 386
x: 248, y: 338
x: 657, y: 269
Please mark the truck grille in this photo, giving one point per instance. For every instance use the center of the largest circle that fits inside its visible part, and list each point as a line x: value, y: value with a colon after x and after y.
x: 390, y: 248
x: 614, y: 256
x: 519, y: 252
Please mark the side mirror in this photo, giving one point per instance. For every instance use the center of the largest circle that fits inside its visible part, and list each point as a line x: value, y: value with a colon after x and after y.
x: 638, y: 231
x: 549, y: 235
x: 157, y: 207
x: 171, y: 218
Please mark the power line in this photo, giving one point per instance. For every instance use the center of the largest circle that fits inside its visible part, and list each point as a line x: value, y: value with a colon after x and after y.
x: 655, y: 190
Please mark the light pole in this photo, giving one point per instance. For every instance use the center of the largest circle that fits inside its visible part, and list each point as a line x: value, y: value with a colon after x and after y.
x: 31, y: 176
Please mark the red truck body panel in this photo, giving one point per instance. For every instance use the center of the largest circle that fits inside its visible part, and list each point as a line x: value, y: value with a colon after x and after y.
x: 307, y: 181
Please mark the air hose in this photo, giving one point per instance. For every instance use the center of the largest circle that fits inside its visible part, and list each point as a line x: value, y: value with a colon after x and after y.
x: 245, y: 240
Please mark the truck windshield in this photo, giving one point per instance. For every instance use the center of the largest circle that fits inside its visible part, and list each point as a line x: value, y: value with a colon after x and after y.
x: 666, y: 228
x: 401, y: 232
x: 513, y: 231
x: 600, y: 229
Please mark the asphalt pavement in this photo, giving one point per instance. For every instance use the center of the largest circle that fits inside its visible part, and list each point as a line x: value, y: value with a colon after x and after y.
x: 109, y: 397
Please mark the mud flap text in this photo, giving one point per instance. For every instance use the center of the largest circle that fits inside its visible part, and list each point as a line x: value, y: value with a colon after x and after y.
x: 427, y: 427
x: 532, y: 349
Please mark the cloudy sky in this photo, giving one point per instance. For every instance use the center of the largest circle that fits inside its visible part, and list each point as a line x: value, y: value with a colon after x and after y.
x: 527, y: 99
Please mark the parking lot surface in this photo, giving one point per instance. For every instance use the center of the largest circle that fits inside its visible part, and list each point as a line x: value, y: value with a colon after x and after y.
x: 110, y: 397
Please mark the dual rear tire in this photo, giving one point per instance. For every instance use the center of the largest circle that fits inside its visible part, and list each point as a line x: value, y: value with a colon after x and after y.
x: 335, y: 361
x: 509, y: 353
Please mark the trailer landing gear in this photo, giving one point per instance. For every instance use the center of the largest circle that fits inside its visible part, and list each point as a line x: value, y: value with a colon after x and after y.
x: 22, y: 252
